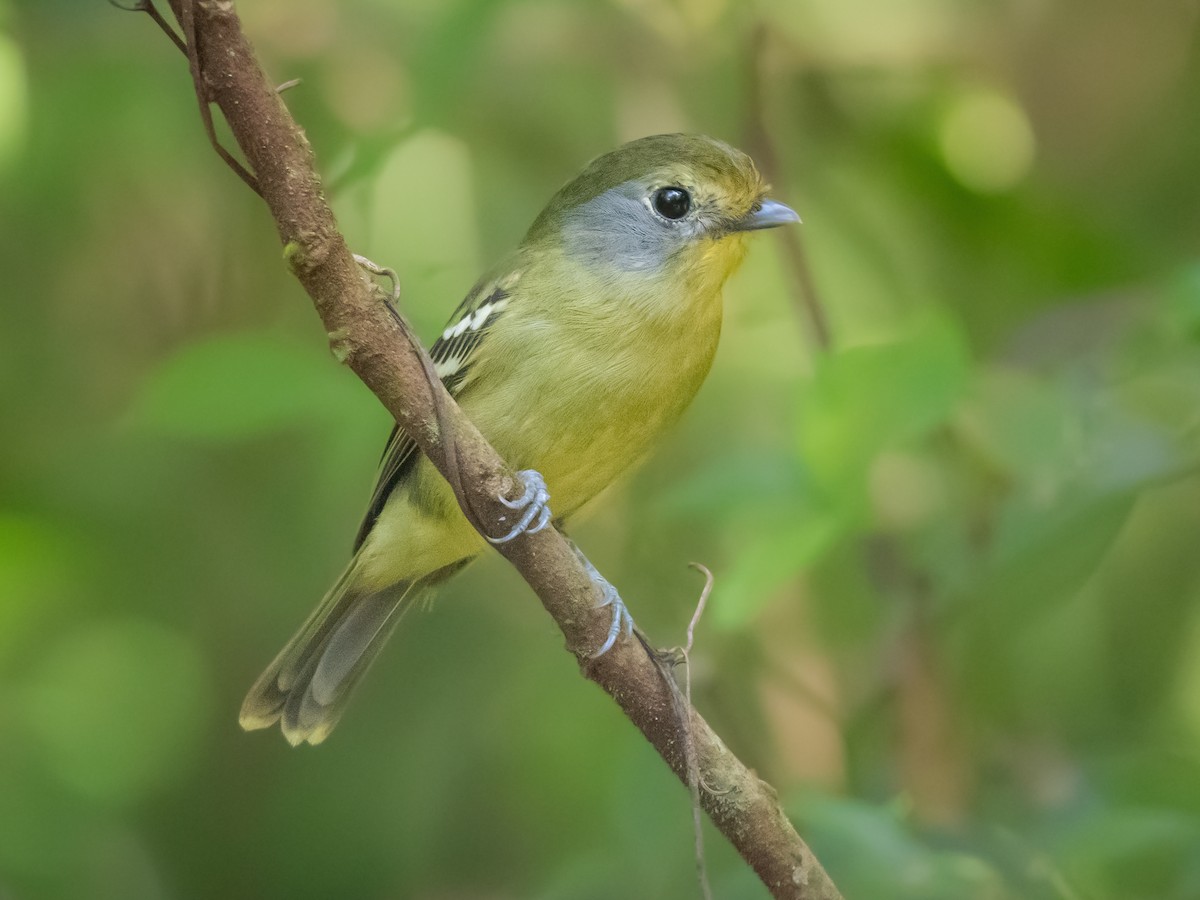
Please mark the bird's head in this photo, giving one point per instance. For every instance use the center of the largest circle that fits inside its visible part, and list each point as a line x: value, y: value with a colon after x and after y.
x: 665, y: 205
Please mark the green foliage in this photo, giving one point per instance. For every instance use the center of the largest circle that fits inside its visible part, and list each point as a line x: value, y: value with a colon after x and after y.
x: 867, y: 399
x: 903, y: 865
x: 239, y: 387
x: 149, y: 680
x: 955, y: 612
x: 862, y: 401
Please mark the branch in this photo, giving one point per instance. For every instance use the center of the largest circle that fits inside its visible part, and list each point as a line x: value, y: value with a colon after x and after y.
x: 381, y: 350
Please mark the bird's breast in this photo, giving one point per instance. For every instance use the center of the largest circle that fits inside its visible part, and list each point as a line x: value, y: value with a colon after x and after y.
x: 601, y: 392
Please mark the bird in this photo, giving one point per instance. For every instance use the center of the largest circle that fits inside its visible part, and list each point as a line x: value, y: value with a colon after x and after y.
x: 572, y: 356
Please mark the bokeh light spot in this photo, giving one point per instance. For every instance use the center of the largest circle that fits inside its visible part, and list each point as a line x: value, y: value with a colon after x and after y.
x: 13, y: 99
x: 38, y: 568
x: 386, y: 104
x: 986, y: 141
x: 423, y: 221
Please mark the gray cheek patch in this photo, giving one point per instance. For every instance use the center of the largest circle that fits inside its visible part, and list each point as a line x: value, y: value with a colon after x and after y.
x: 616, y: 230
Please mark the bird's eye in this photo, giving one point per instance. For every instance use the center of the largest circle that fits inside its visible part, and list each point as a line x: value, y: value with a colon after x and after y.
x: 672, y: 202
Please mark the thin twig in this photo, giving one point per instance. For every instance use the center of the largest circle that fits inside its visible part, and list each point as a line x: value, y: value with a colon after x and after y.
x: 689, y: 739
x: 148, y: 8
x: 188, y: 22
x: 691, y: 629
x: 762, y: 148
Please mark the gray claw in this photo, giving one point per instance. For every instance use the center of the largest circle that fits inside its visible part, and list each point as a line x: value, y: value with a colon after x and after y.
x: 534, y: 503
x: 542, y: 522
x: 608, y: 597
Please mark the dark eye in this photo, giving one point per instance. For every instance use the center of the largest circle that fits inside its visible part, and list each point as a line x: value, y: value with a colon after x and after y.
x: 672, y: 202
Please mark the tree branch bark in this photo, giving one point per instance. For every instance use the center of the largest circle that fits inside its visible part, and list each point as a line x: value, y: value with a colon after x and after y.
x: 381, y: 350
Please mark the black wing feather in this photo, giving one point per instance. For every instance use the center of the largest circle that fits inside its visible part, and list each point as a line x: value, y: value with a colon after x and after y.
x: 400, y: 452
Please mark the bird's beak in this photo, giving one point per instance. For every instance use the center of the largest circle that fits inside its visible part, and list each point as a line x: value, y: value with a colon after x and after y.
x: 768, y: 214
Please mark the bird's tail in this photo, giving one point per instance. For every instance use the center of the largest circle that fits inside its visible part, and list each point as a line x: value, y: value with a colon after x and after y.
x: 306, y: 687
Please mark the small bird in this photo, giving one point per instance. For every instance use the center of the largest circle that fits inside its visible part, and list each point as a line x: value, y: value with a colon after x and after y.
x: 571, y: 357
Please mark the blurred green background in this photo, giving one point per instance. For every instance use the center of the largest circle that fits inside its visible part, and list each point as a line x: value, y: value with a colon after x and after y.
x: 955, y: 616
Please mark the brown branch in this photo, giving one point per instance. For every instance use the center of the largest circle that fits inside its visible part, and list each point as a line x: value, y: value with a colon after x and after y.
x: 186, y: 16
x: 383, y: 353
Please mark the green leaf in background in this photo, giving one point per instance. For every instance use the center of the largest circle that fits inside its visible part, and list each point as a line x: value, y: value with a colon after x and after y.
x: 1072, y: 461
x: 243, y: 386
x: 772, y: 559
x: 867, y: 398
x: 779, y: 522
x: 862, y: 402
x: 1183, y: 301
x: 427, y: 238
x: 1127, y: 851
x: 14, y: 99
x: 844, y: 832
x: 39, y: 566
x: 118, y: 708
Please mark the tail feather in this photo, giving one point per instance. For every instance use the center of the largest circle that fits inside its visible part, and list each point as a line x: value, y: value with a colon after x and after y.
x: 307, y: 685
x: 318, y: 697
x: 266, y: 698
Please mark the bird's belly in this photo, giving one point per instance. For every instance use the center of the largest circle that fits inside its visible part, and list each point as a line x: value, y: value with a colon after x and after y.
x: 581, y: 461
x: 580, y: 420
x: 585, y: 429
x: 605, y: 431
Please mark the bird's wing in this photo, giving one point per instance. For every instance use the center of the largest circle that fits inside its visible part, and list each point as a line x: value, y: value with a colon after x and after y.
x: 453, y: 354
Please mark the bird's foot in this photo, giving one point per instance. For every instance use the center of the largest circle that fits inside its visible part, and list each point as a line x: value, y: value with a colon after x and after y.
x: 532, y: 504
x: 608, y: 597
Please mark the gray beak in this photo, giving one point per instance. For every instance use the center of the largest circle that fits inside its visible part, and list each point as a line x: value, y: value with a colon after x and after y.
x: 768, y: 215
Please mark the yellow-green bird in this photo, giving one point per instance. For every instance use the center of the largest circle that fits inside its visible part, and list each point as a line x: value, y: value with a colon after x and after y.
x: 571, y: 356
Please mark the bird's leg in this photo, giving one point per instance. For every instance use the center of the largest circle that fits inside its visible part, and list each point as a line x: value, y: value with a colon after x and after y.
x: 608, y: 597
x: 534, y: 503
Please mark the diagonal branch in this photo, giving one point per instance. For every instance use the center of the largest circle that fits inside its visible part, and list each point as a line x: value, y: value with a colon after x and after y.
x: 383, y: 353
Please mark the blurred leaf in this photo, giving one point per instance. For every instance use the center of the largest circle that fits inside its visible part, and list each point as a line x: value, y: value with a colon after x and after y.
x: 1042, y: 554
x: 38, y: 567
x: 428, y: 238
x: 1073, y: 460
x: 236, y: 387
x: 867, y: 398
x: 843, y: 833
x: 862, y: 401
x: 1125, y: 852
x: 1182, y: 301
x: 118, y: 708
x: 770, y: 503
x: 450, y: 53
x: 14, y: 100
x: 42, y: 826
x: 770, y: 560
